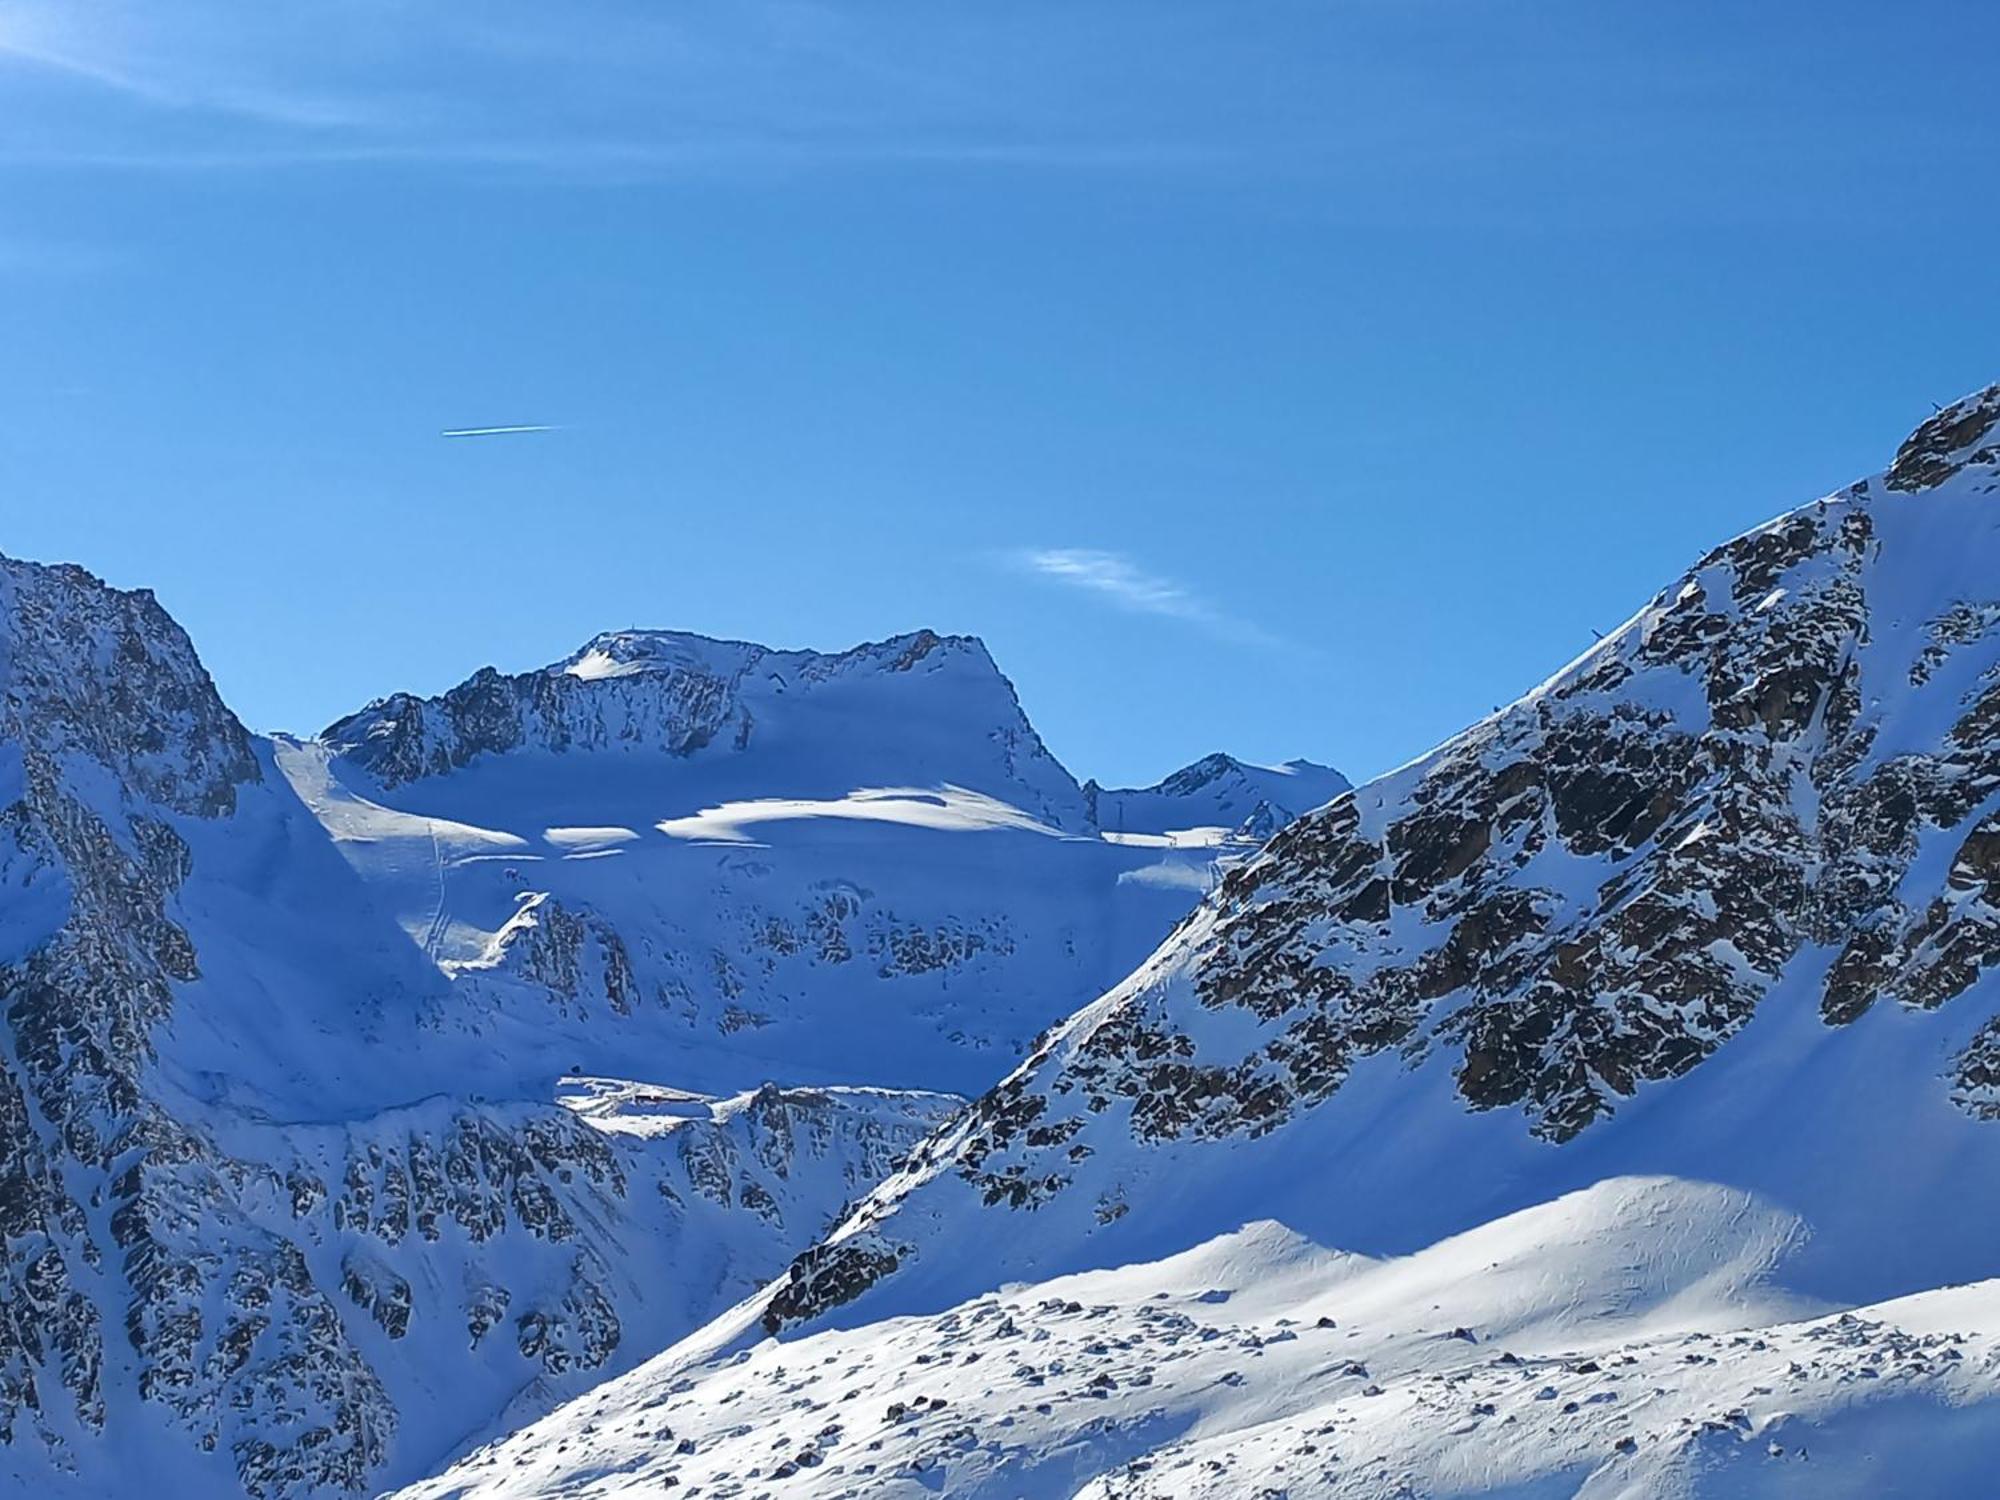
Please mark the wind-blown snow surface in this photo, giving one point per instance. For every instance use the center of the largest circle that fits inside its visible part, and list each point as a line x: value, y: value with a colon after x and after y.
x: 321, y: 1153
x: 1714, y: 906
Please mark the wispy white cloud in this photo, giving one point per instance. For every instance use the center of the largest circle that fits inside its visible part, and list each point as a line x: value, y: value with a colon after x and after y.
x: 1119, y: 581
x: 112, y: 53
x: 1355, y: 98
x: 603, y: 90
x: 617, y: 160
x: 22, y: 48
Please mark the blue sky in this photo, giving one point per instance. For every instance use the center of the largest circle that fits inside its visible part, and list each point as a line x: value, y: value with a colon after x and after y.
x: 1295, y: 379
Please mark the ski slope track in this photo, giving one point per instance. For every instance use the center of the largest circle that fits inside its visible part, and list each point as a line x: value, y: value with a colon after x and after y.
x: 364, y: 1096
x: 1605, y: 1104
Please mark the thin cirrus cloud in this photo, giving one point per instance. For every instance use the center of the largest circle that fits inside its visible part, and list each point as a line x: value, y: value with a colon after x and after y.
x: 716, y: 84
x: 1122, y: 583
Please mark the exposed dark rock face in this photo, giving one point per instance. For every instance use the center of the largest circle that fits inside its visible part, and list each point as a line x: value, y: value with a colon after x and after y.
x: 403, y: 738
x: 570, y: 957
x: 1566, y: 997
x: 1960, y: 435
x: 576, y: 957
x: 377, y: 1291
x: 826, y: 1276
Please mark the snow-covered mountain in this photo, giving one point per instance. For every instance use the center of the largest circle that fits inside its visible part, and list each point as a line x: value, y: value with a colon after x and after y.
x: 1217, y: 794
x: 271, y: 1222
x: 920, y: 710
x: 852, y: 868
x: 1647, y: 1028
x: 323, y: 1153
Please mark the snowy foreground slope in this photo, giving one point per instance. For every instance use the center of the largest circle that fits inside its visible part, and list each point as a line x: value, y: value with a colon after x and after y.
x: 1634, y: 1053
x: 361, y: 1098
x: 1633, y: 1339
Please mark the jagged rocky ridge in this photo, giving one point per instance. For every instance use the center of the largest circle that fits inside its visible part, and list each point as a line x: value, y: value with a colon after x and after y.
x: 104, y: 682
x: 676, y: 694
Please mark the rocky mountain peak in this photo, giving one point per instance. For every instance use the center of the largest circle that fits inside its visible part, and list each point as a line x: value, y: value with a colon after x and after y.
x: 1250, y: 802
x: 1960, y: 435
x: 113, y: 746
x: 1192, y: 778
x: 917, y: 709
x: 106, y: 674
x: 624, y: 653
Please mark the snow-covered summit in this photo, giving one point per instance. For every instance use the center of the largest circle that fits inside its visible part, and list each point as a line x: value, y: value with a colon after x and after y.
x: 625, y: 653
x: 1248, y: 802
x: 860, y: 867
x: 915, y: 710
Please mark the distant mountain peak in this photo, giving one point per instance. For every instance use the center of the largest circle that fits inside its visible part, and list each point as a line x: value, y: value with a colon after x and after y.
x: 105, y: 674
x: 1218, y: 791
x: 626, y: 653
x: 919, y: 709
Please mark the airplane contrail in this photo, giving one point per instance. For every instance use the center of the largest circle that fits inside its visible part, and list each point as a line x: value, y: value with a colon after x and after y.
x: 496, y: 431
